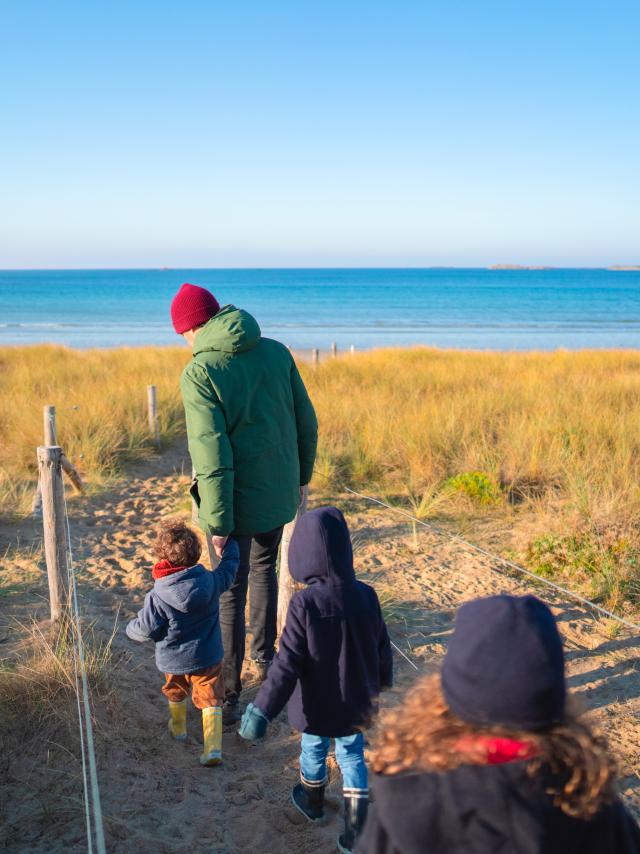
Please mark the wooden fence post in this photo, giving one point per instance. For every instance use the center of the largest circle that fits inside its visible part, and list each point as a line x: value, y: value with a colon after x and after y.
x: 286, y: 584
x: 353, y: 349
x: 315, y: 357
x: 50, y: 441
x: 54, y: 528
x: 49, y: 422
x: 334, y: 349
x: 154, y: 428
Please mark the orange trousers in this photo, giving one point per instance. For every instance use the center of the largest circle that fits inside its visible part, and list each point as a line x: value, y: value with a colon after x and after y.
x: 206, y: 687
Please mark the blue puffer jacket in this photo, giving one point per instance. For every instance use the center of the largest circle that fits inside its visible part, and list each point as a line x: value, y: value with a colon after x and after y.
x: 181, y: 614
x: 334, y: 655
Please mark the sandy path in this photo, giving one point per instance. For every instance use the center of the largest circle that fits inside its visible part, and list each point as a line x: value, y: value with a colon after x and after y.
x: 156, y: 796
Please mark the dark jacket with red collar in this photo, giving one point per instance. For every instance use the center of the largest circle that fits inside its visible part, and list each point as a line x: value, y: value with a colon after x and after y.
x: 486, y: 809
x: 181, y: 614
x: 334, y: 655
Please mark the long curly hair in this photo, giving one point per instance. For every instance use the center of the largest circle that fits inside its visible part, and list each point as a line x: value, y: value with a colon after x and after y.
x: 177, y: 543
x: 423, y: 734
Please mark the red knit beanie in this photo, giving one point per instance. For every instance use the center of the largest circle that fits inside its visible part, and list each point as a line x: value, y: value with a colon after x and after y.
x: 192, y: 306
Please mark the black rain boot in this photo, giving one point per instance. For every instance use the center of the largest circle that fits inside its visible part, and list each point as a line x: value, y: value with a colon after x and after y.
x: 231, y: 711
x: 261, y: 669
x: 308, y: 798
x: 356, y: 802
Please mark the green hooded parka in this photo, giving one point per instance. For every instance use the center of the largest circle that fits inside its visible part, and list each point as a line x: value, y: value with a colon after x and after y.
x: 251, y: 427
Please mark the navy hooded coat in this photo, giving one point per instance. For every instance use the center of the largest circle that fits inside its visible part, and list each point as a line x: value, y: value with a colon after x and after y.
x: 181, y: 614
x: 334, y: 655
x: 486, y: 809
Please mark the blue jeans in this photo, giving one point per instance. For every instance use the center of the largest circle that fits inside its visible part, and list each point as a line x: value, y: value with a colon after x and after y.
x: 349, y: 756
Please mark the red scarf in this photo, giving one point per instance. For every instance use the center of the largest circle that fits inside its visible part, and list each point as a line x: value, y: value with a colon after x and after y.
x: 164, y: 568
x: 498, y: 750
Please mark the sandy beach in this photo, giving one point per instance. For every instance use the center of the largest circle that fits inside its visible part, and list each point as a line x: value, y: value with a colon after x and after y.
x: 155, y: 795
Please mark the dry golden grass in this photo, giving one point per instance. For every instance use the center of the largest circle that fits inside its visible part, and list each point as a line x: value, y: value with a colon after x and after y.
x: 548, y: 444
x: 101, y: 400
x: 41, y: 788
x: 552, y: 437
x: 537, y: 422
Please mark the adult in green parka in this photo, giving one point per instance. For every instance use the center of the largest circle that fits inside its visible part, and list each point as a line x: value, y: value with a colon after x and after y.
x: 252, y: 434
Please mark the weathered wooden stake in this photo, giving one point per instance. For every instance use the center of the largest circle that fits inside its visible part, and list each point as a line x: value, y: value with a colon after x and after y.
x: 54, y: 527
x: 71, y: 473
x: 49, y: 421
x: 334, y: 349
x: 36, y: 504
x: 315, y: 357
x: 51, y: 440
x: 352, y: 349
x: 154, y: 428
x: 286, y: 584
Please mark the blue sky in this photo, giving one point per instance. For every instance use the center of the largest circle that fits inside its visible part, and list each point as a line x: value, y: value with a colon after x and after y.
x: 333, y: 133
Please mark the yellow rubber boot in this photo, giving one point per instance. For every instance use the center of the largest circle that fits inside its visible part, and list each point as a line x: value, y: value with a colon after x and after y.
x: 212, y: 732
x: 178, y: 720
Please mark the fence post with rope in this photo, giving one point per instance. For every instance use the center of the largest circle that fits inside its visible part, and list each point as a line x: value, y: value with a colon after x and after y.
x: 53, y: 522
x: 152, y: 408
x: 51, y: 441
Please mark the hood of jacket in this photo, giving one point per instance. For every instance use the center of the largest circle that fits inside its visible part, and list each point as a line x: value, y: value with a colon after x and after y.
x: 186, y: 590
x: 231, y: 330
x: 320, y: 548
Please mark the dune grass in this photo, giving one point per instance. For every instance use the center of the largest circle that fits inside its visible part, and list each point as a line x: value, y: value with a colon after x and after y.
x: 546, y: 443
x: 100, y: 398
x: 41, y: 788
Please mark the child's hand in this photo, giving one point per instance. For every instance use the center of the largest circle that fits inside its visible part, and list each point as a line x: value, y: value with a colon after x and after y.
x: 253, y: 724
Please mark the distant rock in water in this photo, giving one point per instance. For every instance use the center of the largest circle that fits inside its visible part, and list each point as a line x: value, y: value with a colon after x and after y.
x: 518, y: 267
x: 623, y: 267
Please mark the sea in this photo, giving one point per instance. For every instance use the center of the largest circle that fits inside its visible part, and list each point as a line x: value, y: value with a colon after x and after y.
x: 482, y: 309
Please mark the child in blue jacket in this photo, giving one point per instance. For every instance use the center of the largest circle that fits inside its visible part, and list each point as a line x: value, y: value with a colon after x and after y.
x: 181, y: 615
x: 333, y: 660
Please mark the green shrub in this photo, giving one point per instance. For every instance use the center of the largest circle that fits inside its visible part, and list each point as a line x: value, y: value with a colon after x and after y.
x: 477, y: 485
x: 607, y: 562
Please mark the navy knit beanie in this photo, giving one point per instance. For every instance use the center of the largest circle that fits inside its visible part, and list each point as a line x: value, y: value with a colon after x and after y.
x: 505, y: 665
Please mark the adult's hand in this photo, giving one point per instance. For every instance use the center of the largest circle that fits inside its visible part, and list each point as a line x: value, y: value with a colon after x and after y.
x: 218, y: 545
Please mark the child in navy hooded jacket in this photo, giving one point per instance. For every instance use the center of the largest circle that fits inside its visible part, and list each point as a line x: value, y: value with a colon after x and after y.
x: 181, y: 615
x: 333, y: 660
x: 489, y: 755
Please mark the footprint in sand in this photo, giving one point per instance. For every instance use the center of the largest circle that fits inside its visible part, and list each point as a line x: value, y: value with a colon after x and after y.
x: 243, y: 789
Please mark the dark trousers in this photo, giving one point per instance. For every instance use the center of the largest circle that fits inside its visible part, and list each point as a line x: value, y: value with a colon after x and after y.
x: 257, y: 573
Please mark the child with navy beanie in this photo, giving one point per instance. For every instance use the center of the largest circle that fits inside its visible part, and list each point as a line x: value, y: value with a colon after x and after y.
x: 333, y: 660
x: 490, y: 755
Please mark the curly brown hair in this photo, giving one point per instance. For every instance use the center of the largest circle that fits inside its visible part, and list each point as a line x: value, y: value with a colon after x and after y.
x: 423, y: 734
x: 177, y: 543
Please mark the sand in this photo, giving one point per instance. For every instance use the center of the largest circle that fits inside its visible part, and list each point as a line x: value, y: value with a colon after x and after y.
x: 155, y: 795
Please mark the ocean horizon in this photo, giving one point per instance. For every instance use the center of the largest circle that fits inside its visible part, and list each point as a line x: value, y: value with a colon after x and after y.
x: 449, y: 307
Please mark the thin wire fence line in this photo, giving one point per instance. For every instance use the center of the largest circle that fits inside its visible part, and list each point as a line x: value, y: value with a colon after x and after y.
x: 503, y: 560
x: 404, y: 655
x: 85, y: 781
x: 84, y: 720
